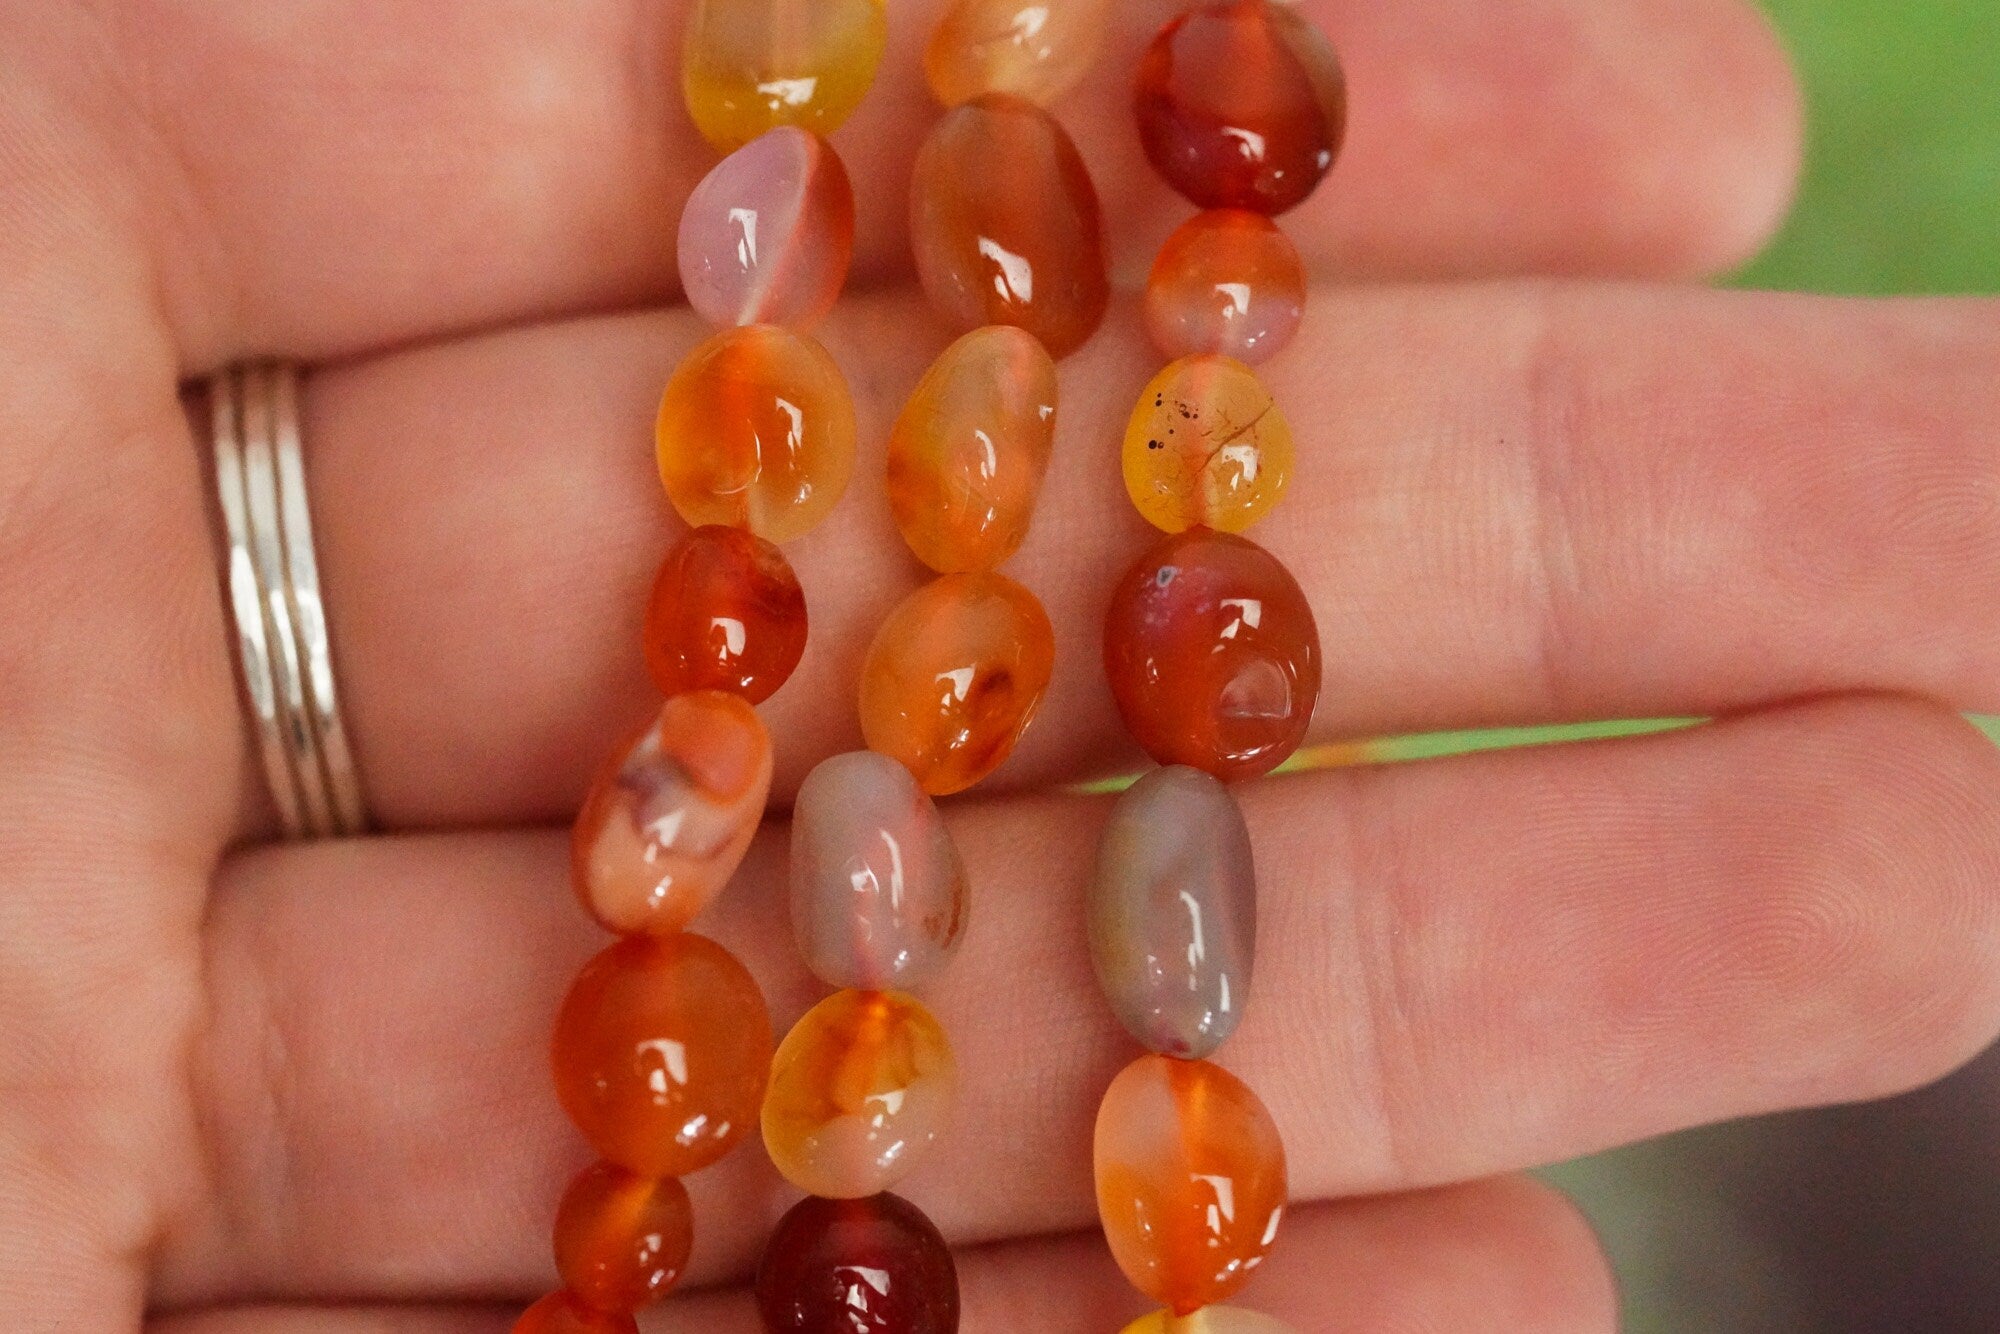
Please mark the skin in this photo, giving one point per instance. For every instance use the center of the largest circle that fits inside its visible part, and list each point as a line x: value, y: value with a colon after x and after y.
x: 302, y: 1089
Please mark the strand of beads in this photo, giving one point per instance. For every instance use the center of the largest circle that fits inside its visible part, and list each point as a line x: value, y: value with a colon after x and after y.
x: 663, y: 1045
x: 1212, y: 655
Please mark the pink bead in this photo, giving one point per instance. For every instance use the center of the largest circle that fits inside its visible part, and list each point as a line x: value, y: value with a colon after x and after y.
x: 767, y: 235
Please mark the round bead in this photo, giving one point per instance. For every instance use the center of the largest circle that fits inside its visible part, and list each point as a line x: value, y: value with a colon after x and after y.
x: 954, y: 677
x: 767, y: 236
x: 1004, y: 224
x: 727, y: 613
x: 661, y: 1051
x: 1210, y: 1320
x: 757, y: 430
x: 1242, y: 104
x: 879, y: 894
x: 1034, y: 49
x: 1173, y: 912
x: 669, y: 820
x: 873, y: 1266
x: 1213, y: 655
x: 860, y: 1087
x: 748, y: 66
x: 1227, y: 281
x: 1190, y: 1180
x: 562, y: 1313
x: 1207, y: 447
x: 970, y: 450
x: 622, y: 1241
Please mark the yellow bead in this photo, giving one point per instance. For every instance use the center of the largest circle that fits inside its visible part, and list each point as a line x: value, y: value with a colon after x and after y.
x: 1036, y: 49
x: 751, y: 65
x: 1207, y: 447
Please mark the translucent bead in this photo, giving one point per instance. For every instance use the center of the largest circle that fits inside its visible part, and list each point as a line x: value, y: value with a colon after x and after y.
x: 757, y: 430
x: 622, y: 1241
x: 1227, y: 281
x: 1034, y: 49
x: 1207, y: 447
x: 873, y: 1266
x: 767, y: 236
x: 1004, y: 224
x: 968, y: 455
x: 1213, y: 655
x: 879, y: 895
x: 954, y: 677
x: 1173, y: 912
x: 562, y: 1313
x: 662, y: 1048
x: 669, y: 821
x: 860, y: 1087
x: 748, y: 66
x: 1190, y: 1180
x: 726, y: 613
x: 1210, y: 1320
x: 1242, y: 104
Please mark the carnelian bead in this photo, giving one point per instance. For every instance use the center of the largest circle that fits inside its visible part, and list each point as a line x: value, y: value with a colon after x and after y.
x: 622, y: 1240
x: 750, y: 65
x: 1242, y: 104
x: 970, y: 450
x: 727, y: 613
x: 661, y: 1051
x: 860, y: 1087
x: 873, y: 1266
x: 1227, y: 281
x: 756, y: 429
x: 1209, y: 1320
x: 563, y: 1313
x: 1004, y: 224
x: 1190, y: 1180
x: 1206, y: 447
x: 767, y: 236
x: 1213, y: 655
x: 1036, y: 49
x: 954, y: 677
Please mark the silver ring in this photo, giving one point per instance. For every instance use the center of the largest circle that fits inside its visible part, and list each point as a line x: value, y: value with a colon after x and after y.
x: 274, y: 601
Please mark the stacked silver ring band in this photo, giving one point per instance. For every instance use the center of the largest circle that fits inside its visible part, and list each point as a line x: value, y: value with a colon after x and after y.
x: 274, y: 600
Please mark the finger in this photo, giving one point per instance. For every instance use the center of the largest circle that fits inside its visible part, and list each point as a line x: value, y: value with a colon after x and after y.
x: 1465, y: 967
x: 344, y: 176
x: 1515, y: 504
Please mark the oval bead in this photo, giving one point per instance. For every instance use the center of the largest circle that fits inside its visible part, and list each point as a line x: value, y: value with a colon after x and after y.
x: 1173, y: 912
x: 1213, y: 655
x: 563, y: 1313
x: 826, y: 1253
x: 970, y: 450
x: 1190, y: 1180
x: 1242, y: 104
x: 767, y: 236
x: 662, y: 1048
x: 860, y: 1087
x: 1227, y: 281
x: 669, y: 820
x: 954, y: 677
x: 1033, y: 49
x: 1210, y: 1320
x: 622, y: 1241
x: 757, y: 430
x: 879, y: 894
x: 1004, y: 224
x: 1207, y: 447
x: 748, y: 66
x: 726, y: 613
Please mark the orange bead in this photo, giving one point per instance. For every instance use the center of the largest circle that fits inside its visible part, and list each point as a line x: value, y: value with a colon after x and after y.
x: 954, y: 677
x: 1206, y: 447
x: 750, y: 65
x: 662, y: 1048
x: 727, y: 613
x: 563, y: 1313
x: 622, y: 1241
x: 1004, y: 224
x: 757, y: 430
x: 1227, y: 281
x: 669, y: 820
x: 968, y: 455
x: 1036, y: 49
x: 1190, y: 1180
x: 860, y: 1088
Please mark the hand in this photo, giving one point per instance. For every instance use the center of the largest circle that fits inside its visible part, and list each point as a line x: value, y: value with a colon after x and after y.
x: 309, y: 1082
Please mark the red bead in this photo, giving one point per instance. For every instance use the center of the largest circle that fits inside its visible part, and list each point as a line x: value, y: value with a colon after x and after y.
x: 1242, y: 104
x: 622, y: 1240
x: 727, y: 613
x: 1213, y: 655
x: 870, y: 1266
x: 561, y: 1313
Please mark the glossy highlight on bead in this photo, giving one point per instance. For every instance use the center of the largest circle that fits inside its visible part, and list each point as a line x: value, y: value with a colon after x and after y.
x: 868, y: 1266
x: 767, y: 236
x: 1227, y: 281
x: 726, y: 613
x: 622, y: 1240
x: 748, y: 66
x: 1033, y: 49
x: 1207, y: 446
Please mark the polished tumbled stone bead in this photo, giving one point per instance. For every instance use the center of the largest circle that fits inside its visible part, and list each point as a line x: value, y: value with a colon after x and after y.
x: 748, y: 66
x: 767, y: 235
x: 1035, y: 49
